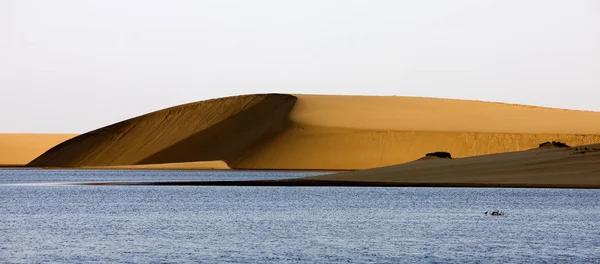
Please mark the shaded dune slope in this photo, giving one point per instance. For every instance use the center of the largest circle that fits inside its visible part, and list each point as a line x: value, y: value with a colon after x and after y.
x: 319, y: 132
x: 220, y: 129
x: 551, y: 167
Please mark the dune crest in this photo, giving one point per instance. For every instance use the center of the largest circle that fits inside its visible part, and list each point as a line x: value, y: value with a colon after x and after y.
x: 319, y: 132
x: 400, y: 113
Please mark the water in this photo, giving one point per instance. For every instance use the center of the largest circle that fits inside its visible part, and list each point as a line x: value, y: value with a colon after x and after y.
x: 28, y: 176
x: 171, y: 224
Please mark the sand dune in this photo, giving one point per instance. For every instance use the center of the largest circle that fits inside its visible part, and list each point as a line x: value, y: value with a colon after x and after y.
x: 334, y: 149
x: 19, y: 149
x: 317, y: 132
x: 544, y: 167
x: 552, y: 167
x: 199, y: 165
x: 359, y: 132
x: 397, y: 113
x: 225, y: 129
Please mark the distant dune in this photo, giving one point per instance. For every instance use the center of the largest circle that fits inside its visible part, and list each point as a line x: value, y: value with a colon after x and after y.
x: 318, y: 132
x: 548, y: 167
x: 20, y: 149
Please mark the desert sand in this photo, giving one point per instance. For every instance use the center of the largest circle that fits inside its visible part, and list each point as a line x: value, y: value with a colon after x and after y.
x: 199, y: 165
x: 319, y: 132
x: 542, y: 167
x: 227, y: 129
x: 548, y: 167
x: 20, y: 149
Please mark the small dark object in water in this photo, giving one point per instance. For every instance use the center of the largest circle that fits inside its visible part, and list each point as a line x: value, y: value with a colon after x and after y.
x: 439, y: 154
x: 496, y: 213
x: 555, y: 144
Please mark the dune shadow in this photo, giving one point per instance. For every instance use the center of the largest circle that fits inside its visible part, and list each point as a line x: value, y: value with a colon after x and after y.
x: 231, y: 139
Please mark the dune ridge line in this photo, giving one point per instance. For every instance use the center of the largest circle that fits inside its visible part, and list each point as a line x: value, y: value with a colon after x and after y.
x: 321, y: 132
x: 220, y: 129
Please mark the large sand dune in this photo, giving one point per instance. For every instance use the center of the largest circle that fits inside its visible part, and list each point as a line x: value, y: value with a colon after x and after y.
x: 20, y: 149
x: 225, y: 129
x: 549, y: 167
x: 317, y: 132
x: 358, y: 132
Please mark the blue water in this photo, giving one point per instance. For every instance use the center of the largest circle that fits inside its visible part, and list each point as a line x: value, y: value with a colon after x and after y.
x: 19, y: 176
x: 171, y: 224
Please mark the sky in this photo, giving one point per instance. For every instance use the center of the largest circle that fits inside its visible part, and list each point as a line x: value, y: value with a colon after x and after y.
x: 70, y: 66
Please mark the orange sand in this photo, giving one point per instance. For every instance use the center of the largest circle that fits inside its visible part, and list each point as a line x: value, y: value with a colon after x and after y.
x: 200, y: 165
x: 19, y: 149
x: 315, y: 132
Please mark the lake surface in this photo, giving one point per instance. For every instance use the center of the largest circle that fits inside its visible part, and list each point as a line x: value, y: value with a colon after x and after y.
x: 174, y: 224
x: 39, y: 176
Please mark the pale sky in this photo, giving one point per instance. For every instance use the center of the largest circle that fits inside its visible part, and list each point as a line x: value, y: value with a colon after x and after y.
x: 75, y: 65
